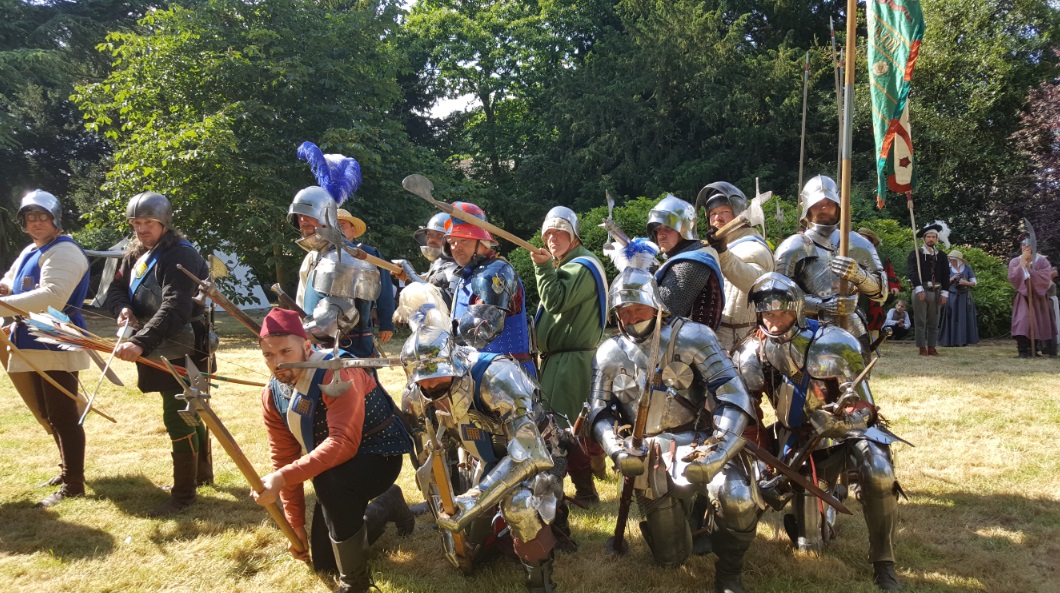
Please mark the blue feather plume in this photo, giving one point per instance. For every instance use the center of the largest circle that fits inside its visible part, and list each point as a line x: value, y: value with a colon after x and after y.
x: 638, y: 246
x: 339, y: 175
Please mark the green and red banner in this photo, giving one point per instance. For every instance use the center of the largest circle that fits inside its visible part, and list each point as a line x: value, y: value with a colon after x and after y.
x: 895, y: 30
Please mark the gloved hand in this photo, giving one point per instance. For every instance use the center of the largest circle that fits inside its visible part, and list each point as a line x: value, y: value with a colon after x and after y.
x: 630, y: 463
x: 841, y: 305
x: 720, y: 244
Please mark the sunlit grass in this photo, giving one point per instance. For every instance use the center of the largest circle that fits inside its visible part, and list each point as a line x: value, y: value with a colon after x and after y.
x: 983, y: 514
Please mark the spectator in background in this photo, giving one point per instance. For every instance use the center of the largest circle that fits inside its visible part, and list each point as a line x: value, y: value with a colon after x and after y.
x: 1031, y: 274
x: 874, y: 311
x: 898, y: 321
x: 959, y: 324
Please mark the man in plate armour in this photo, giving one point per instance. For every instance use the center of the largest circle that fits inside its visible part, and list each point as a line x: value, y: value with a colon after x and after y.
x: 481, y: 405
x: 826, y: 417
x: 334, y: 287
x: 489, y: 305
x: 693, y: 434
x: 811, y: 259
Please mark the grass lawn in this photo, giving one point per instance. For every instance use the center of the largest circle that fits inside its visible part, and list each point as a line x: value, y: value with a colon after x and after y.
x: 983, y: 513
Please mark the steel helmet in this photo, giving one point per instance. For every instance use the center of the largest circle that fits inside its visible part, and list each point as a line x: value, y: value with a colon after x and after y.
x: 430, y: 352
x: 461, y: 230
x: 41, y: 200
x: 722, y: 193
x: 819, y: 188
x: 150, y: 205
x: 563, y: 219
x: 316, y: 203
x: 674, y: 213
x: 776, y: 292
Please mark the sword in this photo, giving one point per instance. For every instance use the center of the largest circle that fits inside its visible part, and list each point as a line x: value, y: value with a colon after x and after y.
x: 343, y: 363
x: 124, y: 332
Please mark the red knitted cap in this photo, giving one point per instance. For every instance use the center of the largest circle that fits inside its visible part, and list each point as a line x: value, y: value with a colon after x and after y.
x: 282, y: 321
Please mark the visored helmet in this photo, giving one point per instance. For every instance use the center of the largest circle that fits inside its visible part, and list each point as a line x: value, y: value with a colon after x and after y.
x: 777, y: 292
x: 563, y: 219
x: 674, y: 213
x: 634, y: 286
x: 722, y: 193
x: 430, y: 352
x: 43, y: 201
x: 438, y: 222
x: 817, y: 189
x: 150, y: 205
x: 314, y: 202
x: 462, y: 230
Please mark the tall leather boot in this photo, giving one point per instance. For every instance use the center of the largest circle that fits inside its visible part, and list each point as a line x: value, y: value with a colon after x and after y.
x: 539, y: 576
x: 204, y: 471
x: 182, y: 496
x: 388, y: 507
x: 731, y: 547
x: 351, y: 556
x: 585, y: 492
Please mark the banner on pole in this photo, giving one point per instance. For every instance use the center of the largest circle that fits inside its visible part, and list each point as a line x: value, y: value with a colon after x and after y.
x: 896, y: 28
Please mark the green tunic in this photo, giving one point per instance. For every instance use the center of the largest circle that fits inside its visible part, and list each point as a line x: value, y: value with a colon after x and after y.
x: 568, y: 332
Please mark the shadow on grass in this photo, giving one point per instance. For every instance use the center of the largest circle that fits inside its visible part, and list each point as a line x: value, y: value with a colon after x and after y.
x: 28, y: 530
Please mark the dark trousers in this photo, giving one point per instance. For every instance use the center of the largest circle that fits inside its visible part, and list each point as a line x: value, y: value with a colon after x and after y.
x: 343, y: 493
x: 61, y: 414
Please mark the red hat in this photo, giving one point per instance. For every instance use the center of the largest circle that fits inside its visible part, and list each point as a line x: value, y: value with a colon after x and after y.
x: 282, y: 321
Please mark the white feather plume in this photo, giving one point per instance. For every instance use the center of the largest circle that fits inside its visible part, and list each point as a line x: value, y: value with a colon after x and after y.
x: 944, y: 233
x: 420, y: 304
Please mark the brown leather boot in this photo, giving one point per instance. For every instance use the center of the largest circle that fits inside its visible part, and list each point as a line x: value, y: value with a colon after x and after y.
x: 932, y: 351
x: 182, y: 495
x: 923, y: 351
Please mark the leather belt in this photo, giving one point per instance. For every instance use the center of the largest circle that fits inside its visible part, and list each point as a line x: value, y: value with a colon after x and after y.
x: 378, y: 427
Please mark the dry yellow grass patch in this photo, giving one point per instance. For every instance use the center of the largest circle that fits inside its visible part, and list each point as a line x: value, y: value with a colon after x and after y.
x: 983, y: 514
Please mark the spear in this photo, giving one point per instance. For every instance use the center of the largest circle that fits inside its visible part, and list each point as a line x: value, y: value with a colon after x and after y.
x: 802, y: 143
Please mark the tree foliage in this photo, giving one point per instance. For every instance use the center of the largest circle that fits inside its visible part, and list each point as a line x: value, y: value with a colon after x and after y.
x: 208, y: 107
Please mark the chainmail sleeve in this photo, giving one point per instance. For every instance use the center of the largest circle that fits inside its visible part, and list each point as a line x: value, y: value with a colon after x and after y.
x: 682, y: 284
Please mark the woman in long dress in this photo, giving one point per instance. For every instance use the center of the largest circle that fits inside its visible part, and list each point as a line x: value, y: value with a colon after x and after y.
x: 959, y: 326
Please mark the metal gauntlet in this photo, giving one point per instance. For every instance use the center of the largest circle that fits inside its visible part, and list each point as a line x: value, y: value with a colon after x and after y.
x: 849, y: 269
x: 832, y: 426
x: 527, y: 456
x: 727, y: 441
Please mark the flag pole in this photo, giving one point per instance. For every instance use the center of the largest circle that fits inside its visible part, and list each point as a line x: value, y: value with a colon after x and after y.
x: 912, y: 223
x: 837, y: 72
x: 848, y: 111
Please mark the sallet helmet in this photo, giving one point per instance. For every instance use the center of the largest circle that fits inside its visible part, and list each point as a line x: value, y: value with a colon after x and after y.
x: 777, y: 292
x: 634, y: 286
x: 430, y: 352
x: 563, y: 219
x: 316, y: 203
x: 819, y: 188
x: 674, y: 213
x: 722, y: 193
x: 438, y: 223
x: 41, y: 200
x: 463, y: 230
x: 150, y: 205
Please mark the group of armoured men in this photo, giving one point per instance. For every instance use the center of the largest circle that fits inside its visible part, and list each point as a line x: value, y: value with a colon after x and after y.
x: 500, y: 406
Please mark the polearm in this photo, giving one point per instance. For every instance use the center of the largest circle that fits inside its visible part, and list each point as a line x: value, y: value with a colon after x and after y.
x: 616, y: 544
x: 422, y: 187
x: 848, y: 112
x: 287, y: 302
x: 446, y: 496
x: 802, y: 142
x: 837, y: 69
x: 197, y: 398
x: 912, y: 223
x: 210, y: 288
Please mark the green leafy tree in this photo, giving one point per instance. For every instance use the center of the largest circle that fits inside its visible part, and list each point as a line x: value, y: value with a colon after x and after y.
x: 208, y: 107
